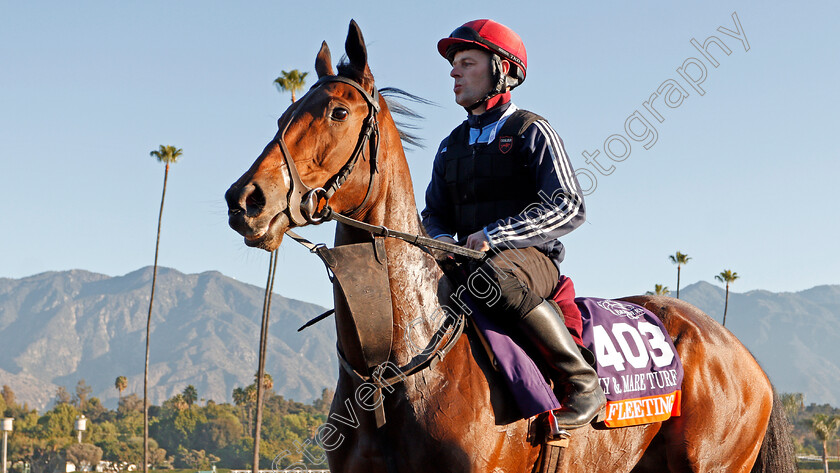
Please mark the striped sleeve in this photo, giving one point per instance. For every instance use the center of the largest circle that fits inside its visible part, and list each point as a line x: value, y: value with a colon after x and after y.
x: 559, y: 208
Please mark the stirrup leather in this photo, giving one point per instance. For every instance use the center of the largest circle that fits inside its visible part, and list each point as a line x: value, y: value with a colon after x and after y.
x: 554, y: 445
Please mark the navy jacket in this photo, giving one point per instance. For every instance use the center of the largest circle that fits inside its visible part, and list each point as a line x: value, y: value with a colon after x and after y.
x: 560, y: 208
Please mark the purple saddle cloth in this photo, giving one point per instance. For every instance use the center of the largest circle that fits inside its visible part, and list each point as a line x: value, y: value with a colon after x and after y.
x: 630, y: 353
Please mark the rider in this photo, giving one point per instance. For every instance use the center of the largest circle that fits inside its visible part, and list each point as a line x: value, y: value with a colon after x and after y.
x: 502, y: 182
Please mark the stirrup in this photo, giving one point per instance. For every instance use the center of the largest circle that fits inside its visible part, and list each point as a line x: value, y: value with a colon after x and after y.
x: 553, y: 430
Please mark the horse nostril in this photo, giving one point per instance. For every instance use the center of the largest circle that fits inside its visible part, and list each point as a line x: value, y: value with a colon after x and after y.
x: 249, y: 199
x: 232, y: 198
x: 253, y: 200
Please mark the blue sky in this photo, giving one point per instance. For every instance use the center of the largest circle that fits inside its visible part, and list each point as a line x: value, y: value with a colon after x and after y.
x: 741, y: 177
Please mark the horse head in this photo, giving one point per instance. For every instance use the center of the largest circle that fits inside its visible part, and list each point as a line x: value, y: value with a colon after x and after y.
x: 330, y: 132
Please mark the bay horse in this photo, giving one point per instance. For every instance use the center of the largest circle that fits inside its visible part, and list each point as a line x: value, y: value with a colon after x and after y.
x: 453, y: 416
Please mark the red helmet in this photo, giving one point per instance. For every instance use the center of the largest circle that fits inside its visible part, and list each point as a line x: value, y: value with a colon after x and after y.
x: 493, y: 37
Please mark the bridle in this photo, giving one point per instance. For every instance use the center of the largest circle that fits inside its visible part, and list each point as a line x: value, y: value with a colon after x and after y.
x: 308, y: 205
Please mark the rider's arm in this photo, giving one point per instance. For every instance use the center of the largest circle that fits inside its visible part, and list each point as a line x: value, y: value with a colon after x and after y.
x: 560, y: 208
x: 437, y: 216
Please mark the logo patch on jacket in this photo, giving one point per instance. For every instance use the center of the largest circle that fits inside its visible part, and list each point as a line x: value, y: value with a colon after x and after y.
x: 505, y: 144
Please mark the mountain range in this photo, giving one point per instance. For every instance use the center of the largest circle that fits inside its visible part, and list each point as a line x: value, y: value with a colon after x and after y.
x: 794, y: 335
x: 59, y: 327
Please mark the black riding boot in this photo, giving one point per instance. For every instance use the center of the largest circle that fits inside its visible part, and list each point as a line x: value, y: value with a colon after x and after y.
x: 545, y: 327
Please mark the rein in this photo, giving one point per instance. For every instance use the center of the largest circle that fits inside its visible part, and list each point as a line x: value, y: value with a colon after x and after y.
x: 416, y: 240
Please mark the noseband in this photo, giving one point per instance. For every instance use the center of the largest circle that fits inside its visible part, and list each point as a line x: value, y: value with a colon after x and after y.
x: 308, y: 205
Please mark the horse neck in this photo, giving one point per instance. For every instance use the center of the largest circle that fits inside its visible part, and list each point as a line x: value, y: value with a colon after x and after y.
x: 394, y: 206
x: 413, y: 274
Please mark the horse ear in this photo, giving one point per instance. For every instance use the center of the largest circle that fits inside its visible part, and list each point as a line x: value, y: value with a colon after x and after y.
x: 355, y: 47
x: 323, y: 62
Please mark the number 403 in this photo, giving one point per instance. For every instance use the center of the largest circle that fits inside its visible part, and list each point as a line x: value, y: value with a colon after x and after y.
x: 649, y: 341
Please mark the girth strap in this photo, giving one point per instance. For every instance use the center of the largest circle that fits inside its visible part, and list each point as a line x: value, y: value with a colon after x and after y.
x: 427, y: 361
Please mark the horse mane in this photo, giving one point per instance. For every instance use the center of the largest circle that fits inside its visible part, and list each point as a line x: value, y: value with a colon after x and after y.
x: 395, y: 98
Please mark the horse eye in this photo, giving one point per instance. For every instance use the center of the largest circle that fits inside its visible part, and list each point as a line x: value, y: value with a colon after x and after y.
x: 339, y: 114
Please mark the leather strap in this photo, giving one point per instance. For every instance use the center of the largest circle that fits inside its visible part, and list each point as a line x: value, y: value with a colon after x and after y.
x: 552, y: 455
x: 413, y: 367
x: 554, y: 445
x: 416, y: 240
x: 429, y: 361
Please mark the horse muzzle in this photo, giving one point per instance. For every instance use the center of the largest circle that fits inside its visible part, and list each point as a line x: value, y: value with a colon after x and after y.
x: 262, y: 225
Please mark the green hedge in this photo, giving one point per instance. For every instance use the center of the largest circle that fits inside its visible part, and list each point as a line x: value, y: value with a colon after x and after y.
x: 809, y: 466
x: 188, y: 470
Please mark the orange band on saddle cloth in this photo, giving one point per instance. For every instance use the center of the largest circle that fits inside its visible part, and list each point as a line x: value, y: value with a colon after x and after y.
x: 643, y: 410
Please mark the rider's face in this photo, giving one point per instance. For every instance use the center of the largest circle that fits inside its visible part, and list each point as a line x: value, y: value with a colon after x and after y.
x: 473, y: 79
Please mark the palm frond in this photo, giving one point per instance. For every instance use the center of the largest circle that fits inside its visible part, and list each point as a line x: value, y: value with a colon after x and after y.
x: 167, y: 154
x: 825, y: 426
x: 679, y: 258
x: 727, y: 276
x: 291, y: 81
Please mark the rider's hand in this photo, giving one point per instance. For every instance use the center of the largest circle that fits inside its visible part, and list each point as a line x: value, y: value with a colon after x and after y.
x: 478, y: 241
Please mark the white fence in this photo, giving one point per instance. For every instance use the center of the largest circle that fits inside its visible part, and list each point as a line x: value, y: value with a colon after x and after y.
x: 814, y: 457
x: 282, y: 471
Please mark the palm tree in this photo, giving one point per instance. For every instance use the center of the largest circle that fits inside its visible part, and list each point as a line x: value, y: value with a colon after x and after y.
x: 247, y: 397
x: 120, y: 383
x: 726, y: 276
x: 190, y: 395
x: 290, y: 81
x: 659, y: 290
x: 793, y: 403
x: 260, y: 375
x: 825, y: 427
x: 168, y: 155
x: 679, y: 259
x: 268, y: 381
x: 240, y: 396
x: 179, y: 402
x: 250, y: 396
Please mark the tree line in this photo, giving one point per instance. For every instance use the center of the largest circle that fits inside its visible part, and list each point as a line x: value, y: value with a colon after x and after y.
x: 813, y: 428
x: 183, y: 432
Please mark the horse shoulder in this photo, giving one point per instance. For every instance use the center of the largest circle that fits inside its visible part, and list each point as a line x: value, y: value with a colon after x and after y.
x: 441, y: 407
